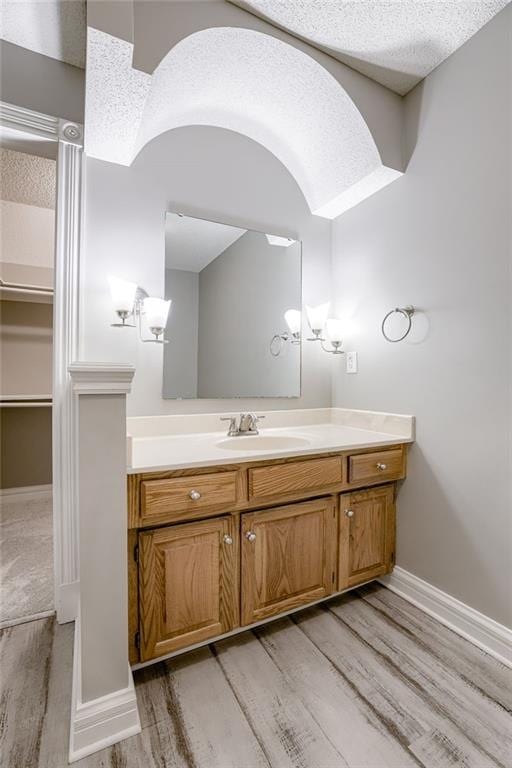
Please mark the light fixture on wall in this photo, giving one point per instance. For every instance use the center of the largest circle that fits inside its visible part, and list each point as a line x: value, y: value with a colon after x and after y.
x: 123, y: 300
x: 293, y: 319
x: 131, y: 302
x: 317, y: 318
x: 334, y: 335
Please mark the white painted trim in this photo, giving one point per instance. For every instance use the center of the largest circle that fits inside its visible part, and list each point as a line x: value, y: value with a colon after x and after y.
x: 26, y: 619
x: 68, y: 232
x: 105, y: 721
x: 69, y: 213
x: 66, y: 601
x: 28, y: 121
x: 101, y: 378
x: 26, y: 490
x: 487, y: 634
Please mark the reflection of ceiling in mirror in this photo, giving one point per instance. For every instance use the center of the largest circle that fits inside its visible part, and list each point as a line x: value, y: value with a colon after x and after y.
x: 191, y: 244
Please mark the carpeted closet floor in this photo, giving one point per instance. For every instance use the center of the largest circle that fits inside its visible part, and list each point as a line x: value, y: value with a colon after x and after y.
x: 26, y: 557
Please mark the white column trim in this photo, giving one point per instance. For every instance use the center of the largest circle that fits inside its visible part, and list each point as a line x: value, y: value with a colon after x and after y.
x: 66, y: 307
x: 98, y: 724
x: 68, y: 218
x: 479, y: 629
x: 102, y: 720
x: 101, y: 378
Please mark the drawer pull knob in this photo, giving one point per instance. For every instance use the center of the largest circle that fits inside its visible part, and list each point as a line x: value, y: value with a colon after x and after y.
x: 250, y: 536
x: 194, y: 495
x: 381, y: 466
x: 227, y: 539
x: 349, y: 512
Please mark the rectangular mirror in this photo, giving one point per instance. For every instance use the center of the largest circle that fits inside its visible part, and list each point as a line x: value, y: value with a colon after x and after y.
x: 230, y: 288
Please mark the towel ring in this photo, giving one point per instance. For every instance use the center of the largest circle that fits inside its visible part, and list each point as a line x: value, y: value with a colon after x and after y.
x: 407, y: 312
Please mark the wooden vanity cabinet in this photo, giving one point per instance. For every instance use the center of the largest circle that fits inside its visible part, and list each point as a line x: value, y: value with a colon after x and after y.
x: 188, y: 584
x: 288, y: 557
x: 217, y: 548
x: 366, y: 535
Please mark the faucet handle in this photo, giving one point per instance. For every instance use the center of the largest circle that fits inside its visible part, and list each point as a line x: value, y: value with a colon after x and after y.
x: 253, y: 420
x: 232, y: 424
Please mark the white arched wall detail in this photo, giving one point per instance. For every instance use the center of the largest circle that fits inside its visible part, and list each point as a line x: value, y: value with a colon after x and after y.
x: 245, y: 81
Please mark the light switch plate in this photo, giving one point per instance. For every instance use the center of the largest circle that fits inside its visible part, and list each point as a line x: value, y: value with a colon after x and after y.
x: 351, y: 362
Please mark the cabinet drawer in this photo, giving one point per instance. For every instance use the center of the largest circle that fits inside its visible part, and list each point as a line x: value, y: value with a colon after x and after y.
x: 179, y: 497
x: 376, y: 467
x: 294, y: 477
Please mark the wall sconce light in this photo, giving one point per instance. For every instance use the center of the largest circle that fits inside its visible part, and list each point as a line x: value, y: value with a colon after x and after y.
x: 293, y: 319
x: 317, y: 318
x: 130, y: 301
x: 123, y: 299
x: 334, y: 334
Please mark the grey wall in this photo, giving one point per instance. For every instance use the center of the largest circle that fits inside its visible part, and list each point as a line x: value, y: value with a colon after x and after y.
x: 200, y: 171
x: 38, y: 82
x: 25, y: 447
x: 26, y: 341
x: 440, y: 238
x: 243, y: 295
x: 180, y: 354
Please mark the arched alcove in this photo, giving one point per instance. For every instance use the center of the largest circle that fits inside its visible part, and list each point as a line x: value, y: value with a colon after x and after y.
x: 247, y: 82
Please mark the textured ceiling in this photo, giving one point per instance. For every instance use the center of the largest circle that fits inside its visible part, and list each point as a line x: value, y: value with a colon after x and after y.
x: 51, y: 27
x: 191, y: 244
x: 395, y: 42
x: 27, y: 179
x: 244, y: 81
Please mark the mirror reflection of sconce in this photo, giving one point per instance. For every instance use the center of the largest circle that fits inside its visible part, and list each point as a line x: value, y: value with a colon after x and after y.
x: 293, y: 319
x: 318, y: 322
x: 130, y: 302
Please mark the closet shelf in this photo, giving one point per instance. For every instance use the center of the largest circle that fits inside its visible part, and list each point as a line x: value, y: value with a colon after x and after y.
x: 25, y: 401
x: 25, y: 292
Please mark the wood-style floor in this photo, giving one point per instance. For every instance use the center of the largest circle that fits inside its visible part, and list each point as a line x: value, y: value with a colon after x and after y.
x: 364, y: 680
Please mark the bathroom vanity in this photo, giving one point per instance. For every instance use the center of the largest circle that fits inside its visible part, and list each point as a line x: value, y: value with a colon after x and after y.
x: 217, y: 545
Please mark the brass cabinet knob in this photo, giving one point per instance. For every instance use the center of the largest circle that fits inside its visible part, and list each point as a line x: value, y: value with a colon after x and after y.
x: 349, y: 512
x: 227, y: 539
x: 381, y: 466
x: 194, y: 495
x: 250, y: 536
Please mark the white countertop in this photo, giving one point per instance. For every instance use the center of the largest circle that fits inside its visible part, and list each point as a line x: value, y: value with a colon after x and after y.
x: 160, y: 443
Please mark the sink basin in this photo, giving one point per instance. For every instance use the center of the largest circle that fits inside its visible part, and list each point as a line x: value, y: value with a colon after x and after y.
x: 262, y: 443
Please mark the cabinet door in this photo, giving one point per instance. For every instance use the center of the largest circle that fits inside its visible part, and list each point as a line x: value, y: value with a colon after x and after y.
x: 367, y: 535
x: 288, y: 557
x: 188, y: 584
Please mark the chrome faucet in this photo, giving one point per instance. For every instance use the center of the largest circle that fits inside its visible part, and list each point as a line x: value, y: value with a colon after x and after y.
x: 246, y: 425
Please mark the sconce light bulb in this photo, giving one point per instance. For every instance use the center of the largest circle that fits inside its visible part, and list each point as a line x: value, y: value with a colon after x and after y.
x: 123, y: 296
x: 293, y: 319
x: 335, y: 330
x: 317, y: 317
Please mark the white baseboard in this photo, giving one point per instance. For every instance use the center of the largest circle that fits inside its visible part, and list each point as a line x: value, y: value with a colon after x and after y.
x: 104, y: 721
x: 66, y: 601
x: 26, y: 490
x: 479, y: 629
